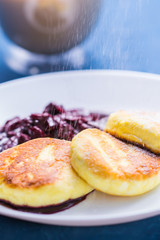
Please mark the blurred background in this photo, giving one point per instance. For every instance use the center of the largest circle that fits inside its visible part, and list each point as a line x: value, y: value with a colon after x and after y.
x: 125, y: 36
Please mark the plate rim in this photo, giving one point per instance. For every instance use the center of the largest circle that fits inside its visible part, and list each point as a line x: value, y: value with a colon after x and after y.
x: 82, y: 72
x: 100, y: 220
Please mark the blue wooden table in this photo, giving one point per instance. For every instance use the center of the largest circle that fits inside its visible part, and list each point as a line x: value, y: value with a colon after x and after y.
x: 126, y: 36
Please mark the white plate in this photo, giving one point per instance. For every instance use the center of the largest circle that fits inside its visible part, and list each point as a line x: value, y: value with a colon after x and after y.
x: 104, y: 91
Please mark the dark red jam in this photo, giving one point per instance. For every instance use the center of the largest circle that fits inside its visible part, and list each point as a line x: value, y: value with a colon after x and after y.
x: 45, y: 209
x: 54, y: 122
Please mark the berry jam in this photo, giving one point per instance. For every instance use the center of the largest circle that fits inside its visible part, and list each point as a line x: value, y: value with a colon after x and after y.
x: 54, y: 122
x: 45, y: 209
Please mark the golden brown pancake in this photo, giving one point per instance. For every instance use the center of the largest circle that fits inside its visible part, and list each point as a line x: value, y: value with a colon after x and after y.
x: 38, y: 173
x: 142, y: 128
x: 113, y: 166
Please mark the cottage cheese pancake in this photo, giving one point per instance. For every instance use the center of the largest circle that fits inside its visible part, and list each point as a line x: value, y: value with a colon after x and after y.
x: 113, y: 166
x: 141, y: 128
x: 38, y: 173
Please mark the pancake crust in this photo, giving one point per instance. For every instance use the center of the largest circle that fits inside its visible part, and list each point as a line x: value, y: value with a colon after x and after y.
x: 140, y: 128
x: 113, y: 166
x: 38, y: 173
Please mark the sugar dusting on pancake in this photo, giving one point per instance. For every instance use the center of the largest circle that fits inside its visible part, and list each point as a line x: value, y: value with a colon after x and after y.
x: 142, y: 128
x: 38, y: 173
x: 113, y: 166
x: 38, y: 162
